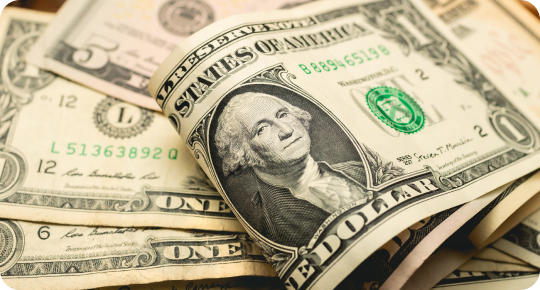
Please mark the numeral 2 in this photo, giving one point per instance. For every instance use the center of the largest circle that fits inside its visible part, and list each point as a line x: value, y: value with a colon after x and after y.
x: 422, y: 76
x: 480, y: 131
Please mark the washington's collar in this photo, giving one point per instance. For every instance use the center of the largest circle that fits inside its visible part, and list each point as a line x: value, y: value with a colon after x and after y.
x: 322, y: 185
x: 293, y: 180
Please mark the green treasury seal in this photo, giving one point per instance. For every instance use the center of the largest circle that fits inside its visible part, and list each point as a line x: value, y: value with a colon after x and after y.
x: 396, y: 109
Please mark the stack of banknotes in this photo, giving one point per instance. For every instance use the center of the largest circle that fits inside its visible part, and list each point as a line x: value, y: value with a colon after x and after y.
x: 257, y: 144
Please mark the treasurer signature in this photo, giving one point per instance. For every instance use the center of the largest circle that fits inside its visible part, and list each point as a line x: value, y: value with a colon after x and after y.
x: 100, y: 232
x: 118, y: 175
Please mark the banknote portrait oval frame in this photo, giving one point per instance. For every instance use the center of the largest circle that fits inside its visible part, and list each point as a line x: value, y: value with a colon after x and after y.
x: 330, y: 144
x: 12, y: 236
x: 16, y: 166
x: 12, y: 56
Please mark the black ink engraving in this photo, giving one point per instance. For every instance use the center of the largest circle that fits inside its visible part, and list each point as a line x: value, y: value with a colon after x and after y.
x: 524, y: 237
x: 270, y: 137
x: 110, y: 72
x: 13, y: 171
x: 11, y: 242
x: 182, y: 201
x: 185, y: 17
x: 258, y: 179
x: 118, y: 119
x: 18, y: 79
x: 268, y: 141
x: 205, y: 249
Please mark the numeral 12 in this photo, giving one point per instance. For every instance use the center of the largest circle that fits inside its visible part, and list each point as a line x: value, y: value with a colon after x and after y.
x: 70, y: 101
x: 47, y: 169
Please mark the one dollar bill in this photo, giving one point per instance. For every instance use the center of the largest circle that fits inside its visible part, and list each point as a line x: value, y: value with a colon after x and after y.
x: 523, y: 241
x: 114, y: 47
x: 330, y: 128
x: 55, y: 257
x: 71, y: 155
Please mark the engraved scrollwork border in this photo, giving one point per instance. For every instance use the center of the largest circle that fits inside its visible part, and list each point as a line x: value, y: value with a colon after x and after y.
x: 276, y: 75
x: 198, y: 137
x: 138, y: 202
x: 145, y: 258
x: 443, y: 182
x: 280, y: 259
x: 13, y: 98
x: 17, y: 247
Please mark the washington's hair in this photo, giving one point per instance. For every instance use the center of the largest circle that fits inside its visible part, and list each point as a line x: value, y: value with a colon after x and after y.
x: 231, y: 139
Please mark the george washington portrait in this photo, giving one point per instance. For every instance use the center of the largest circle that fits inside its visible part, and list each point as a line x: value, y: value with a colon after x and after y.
x: 302, y: 174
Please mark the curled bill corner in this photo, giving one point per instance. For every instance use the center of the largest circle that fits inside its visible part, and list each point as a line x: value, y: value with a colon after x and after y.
x: 460, y: 249
x: 3, y: 285
x: 532, y: 5
x: 417, y: 247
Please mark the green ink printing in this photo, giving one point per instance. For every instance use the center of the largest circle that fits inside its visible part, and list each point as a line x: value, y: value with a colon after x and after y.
x: 396, y: 109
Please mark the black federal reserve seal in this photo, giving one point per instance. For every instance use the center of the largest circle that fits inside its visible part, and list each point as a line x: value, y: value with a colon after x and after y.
x: 13, y: 171
x: 118, y: 119
x: 11, y: 244
x: 184, y: 17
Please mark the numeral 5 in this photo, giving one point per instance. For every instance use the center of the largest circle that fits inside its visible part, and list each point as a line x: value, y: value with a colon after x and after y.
x: 95, y: 54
